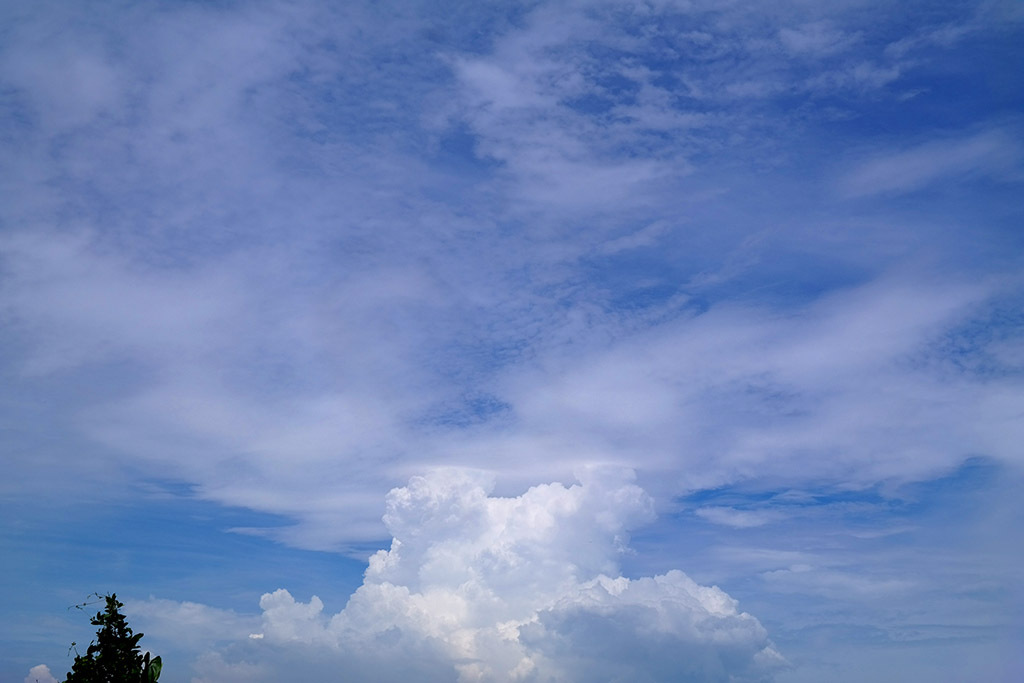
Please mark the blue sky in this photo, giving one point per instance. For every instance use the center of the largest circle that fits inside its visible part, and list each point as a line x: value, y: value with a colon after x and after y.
x: 538, y: 341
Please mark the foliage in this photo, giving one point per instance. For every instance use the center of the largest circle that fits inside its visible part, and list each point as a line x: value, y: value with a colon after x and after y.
x: 114, y: 656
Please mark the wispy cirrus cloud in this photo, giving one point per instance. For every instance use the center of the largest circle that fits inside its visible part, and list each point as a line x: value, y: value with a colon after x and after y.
x: 742, y: 519
x: 993, y: 153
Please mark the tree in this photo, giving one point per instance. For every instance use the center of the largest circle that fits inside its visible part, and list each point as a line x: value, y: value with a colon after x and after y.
x: 114, y: 656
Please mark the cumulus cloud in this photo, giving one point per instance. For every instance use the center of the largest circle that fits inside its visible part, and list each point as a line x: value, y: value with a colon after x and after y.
x: 662, y: 628
x: 40, y: 674
x: 489, y: 588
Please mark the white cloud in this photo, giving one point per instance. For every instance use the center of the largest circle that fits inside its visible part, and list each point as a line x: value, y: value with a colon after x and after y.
x: 837, y: 584
x: 40, y: 674
x: 993, y: 153
x: 698, y: 400
x: 644, y: 237
x: 520, y: 588
x: 89, y: 307
x: 665, y: 628
x: 737, y: 393
x: 213, y: 668
x: 305, y: 378
x: 740, y: 519
x: 189, y: 623
x: 518, y: 103
x: 815, y: 39
x: 940, y: 36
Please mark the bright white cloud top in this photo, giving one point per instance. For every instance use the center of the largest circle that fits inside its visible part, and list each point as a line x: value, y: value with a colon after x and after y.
x: 262, y: 263
x: 526, y: 588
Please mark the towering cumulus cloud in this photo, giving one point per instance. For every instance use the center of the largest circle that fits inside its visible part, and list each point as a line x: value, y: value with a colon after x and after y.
x: 484, y: 588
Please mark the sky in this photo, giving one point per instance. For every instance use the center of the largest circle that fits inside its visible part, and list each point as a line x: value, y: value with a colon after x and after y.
x: 538, y: 341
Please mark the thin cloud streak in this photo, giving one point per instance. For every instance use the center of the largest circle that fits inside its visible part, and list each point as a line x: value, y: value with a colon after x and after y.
x: 992, y: 153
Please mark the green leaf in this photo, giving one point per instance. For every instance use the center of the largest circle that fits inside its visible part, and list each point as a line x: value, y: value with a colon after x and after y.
x: 154, y: 668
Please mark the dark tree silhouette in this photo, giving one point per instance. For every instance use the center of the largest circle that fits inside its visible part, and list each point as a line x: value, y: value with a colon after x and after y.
x: 114, y: 656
